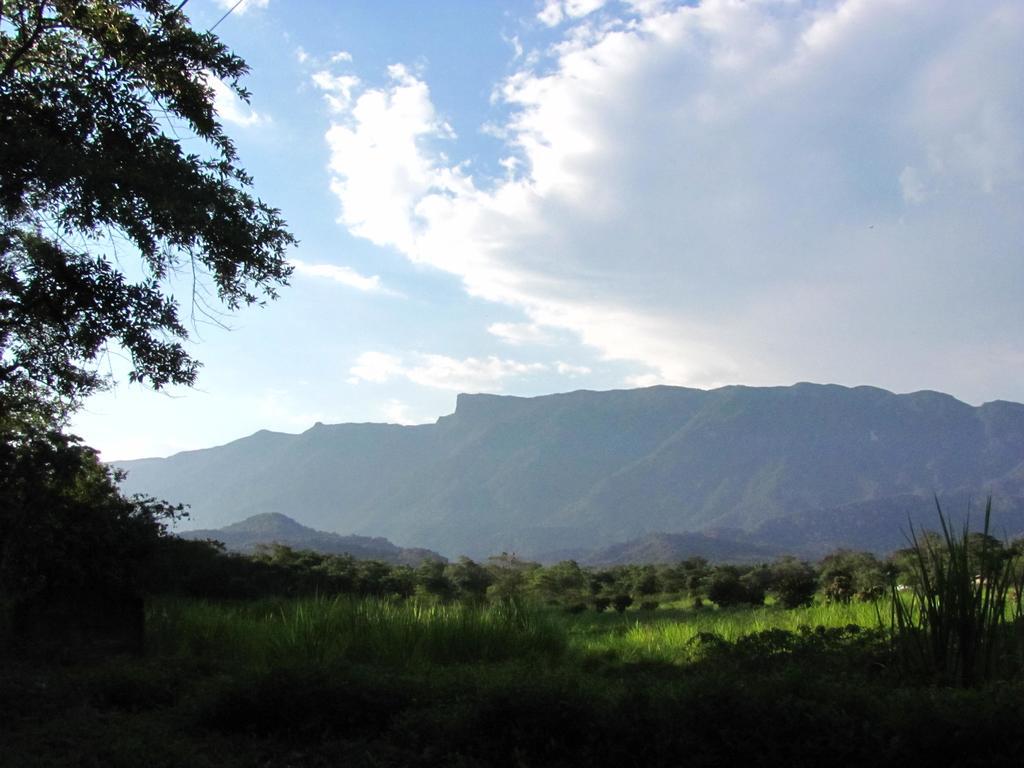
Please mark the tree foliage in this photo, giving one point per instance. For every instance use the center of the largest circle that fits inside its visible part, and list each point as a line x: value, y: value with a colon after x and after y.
x: 565, y: 582
x: 93, y: 98
x: 102, y: 213
x: 846, y: 573
x: 64, y: 525
x: 471, y: 579
x: 793, y: 582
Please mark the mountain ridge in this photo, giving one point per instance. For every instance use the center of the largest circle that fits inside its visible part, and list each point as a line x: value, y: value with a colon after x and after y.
x: 584, y: 470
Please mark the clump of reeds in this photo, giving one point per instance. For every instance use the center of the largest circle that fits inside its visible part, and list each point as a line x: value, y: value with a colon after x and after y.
x: 954, y: 624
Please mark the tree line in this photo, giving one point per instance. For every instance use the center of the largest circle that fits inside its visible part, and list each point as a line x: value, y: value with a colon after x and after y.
x: 203, y: 569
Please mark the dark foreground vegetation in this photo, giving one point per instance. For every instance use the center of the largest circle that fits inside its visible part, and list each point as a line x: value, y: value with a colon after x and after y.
x: 290, y: 658
x: 369, y: 682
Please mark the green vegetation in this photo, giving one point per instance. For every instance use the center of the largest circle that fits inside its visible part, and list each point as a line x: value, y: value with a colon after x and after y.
x: 202, y: 569
x: 294, y: 658
x: 510, y: 663
x: 957, y: 623
x: 70, y: 543
x: 263, y: 635
x: 115, y: 177
x: 372, y: 681
x: 111, y: 151
x: 675, y: 636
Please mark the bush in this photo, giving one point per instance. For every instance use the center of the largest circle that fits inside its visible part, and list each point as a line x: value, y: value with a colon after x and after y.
x: 955, y: 624
x: 73, y: 550
x: 839, y: 590
x: 64, y: 525
x: 728, y: 589
x: 621, y: 602
x: 845, y: 572
x: 793, y: 582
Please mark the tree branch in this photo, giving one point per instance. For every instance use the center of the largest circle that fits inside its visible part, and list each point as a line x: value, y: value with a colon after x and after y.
x: 27, y: 44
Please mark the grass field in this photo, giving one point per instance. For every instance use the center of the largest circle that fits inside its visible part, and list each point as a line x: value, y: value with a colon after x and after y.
x: 262, y: 635
x: 668, y: 635
x: 361, y: 682
x: 265, y: 634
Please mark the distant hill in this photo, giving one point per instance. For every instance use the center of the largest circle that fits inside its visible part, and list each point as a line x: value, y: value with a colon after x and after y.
x: 663, y: 548
x: 273, y: 528
x: 883, y: 525
x: 808, y: 466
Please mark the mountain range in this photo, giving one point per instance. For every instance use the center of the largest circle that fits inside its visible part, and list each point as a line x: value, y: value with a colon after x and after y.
x: 803, y: 468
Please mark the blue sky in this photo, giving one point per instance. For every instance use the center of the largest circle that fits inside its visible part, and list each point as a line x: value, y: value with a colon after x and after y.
x: 532, y: 197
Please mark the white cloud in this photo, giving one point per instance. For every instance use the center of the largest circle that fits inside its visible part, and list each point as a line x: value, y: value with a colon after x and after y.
x: 471, y: 374
x: 341, y: 56
x: 377, y: 367
x: 567, y: 369
x: 244, y: 6
x: 281, y: 410
x: 967, y: 108
x: 722, y: 192
x: 551, y: 15
x: 517, y: 46
x: 341, y: 274
x: 397, y: 412
x: 232, y: 109
x: 301, y: 55
x: 337, y: 89
x: 557, y: 11
x: 520, y: 333
x: 645, y: 380
x: 911, y: 185
x: 380, y: 173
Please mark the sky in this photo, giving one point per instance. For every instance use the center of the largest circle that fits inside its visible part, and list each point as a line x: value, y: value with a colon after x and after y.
x: 535, y: 196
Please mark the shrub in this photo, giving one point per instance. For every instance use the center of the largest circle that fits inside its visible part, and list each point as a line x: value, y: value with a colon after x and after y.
x: 727, y: 588
x: 845, y: 573
x: 839, y: 590
x: 64, y: 525
x: 954, y: 625
x: 793, y: 582
x: 621, y: 602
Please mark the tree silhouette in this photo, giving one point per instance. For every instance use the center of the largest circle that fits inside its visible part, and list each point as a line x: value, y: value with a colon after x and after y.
x: 94, y: 98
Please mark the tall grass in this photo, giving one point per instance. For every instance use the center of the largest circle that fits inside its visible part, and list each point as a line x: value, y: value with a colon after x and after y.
x: 324, y: 631
x: 674, y: 641
x: 266, y: 635
x: 955, y: 623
